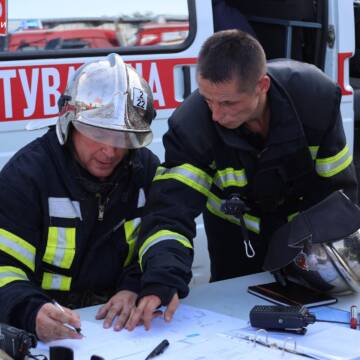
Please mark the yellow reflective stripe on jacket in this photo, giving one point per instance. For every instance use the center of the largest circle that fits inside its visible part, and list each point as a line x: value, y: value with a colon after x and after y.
x: 131, y: 228
x: 60, y: 247
x: 291, y: 216
x: 230, y: 177
x: 313, y: 151
x: 188, y: 174
x: 55, y: 282
x: 252, y: 223
x: 9, y: 274
x: 332, y: 165
x: 162, y: 235
x: 18, y: 248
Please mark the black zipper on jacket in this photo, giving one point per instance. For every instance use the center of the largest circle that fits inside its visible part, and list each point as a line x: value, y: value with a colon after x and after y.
x: 101, y: 206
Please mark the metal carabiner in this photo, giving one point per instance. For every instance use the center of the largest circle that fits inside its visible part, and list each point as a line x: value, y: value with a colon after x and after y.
x: 252, y: 253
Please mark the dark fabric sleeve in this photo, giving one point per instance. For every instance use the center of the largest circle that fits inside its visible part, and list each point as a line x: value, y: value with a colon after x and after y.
x: 344, y: 179
x: 172, y: 206
x: 152, y: 163
x: 165, y: 293
x: 27, y: 303
x: 20, y: 300
x: 131, y: 277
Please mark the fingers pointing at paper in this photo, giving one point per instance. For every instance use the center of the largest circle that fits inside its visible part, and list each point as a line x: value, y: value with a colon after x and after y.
x: 147, y: 310
x: 119, y: 307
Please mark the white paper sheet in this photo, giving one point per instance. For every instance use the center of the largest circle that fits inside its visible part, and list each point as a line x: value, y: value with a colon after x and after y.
x: 190, y: 326
x: 322, y: 340
x: 197, y: 334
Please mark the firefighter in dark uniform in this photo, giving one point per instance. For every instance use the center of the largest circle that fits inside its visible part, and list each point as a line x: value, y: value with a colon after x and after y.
x: 71, y: 203
x: 269, y: 136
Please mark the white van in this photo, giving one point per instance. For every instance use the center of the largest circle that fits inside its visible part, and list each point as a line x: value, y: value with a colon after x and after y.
x: 161, y: 39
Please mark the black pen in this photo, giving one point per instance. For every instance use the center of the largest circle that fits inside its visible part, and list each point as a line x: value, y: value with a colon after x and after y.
x: 158, y: 350
x: 78, y: 330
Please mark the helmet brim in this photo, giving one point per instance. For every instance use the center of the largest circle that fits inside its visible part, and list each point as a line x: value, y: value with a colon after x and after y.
x: 124, y: 139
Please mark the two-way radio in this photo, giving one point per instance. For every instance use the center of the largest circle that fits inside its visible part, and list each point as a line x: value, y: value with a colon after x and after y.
x: 16, y: 342
x: 286, y: 318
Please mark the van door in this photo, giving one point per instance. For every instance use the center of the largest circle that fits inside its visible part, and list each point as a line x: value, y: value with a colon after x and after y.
x: 46, y: 44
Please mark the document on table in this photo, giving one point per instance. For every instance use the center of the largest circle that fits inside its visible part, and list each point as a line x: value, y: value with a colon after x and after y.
x: 198, y: 334
x: 190, y: 326
x: 193, y: 334
x: 322, y: 341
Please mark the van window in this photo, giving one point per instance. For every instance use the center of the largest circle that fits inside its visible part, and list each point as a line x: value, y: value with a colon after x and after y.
x: 82, y: 24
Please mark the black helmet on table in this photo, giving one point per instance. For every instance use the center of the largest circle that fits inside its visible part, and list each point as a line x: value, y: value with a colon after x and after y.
x: 320, y: 247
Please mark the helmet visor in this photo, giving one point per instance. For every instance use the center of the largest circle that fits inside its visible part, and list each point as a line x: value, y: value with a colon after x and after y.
x: 116, y: 138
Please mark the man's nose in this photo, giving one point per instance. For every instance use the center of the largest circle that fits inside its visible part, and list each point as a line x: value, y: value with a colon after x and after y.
x: 109, y: 151
x: 217, y: 112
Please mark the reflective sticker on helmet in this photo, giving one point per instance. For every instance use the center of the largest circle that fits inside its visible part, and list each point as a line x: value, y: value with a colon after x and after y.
x: 139, y: 98
x: 301, y: 261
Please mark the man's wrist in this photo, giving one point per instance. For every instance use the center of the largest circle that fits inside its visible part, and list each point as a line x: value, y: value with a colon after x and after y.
x: 165, y: 293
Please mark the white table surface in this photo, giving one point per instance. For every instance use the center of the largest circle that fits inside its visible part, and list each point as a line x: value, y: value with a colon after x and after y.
x: 229, y: 297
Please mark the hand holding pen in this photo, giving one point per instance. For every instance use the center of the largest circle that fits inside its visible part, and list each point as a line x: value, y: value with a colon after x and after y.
x: 74, y: 328
x: 55, y: 322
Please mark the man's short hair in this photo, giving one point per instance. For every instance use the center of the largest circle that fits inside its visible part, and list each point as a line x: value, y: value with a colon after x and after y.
x: 231, y: 53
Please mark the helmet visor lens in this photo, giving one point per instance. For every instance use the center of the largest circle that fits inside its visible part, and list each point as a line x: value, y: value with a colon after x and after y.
x: 115, y: 138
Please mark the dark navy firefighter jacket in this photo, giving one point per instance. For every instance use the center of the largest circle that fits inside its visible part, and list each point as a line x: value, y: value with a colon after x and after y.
x: 304, y: 158
x: 63, y: 234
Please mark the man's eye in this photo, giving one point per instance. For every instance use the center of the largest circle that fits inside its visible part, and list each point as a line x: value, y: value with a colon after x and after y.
x: 227, y: 103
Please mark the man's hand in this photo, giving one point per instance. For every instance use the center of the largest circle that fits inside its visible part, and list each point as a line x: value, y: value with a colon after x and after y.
x: 147, y: 310
x: 51, y: 323
x: 119, y: 305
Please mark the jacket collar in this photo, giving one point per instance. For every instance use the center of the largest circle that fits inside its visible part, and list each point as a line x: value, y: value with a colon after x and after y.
x: 285, y: 125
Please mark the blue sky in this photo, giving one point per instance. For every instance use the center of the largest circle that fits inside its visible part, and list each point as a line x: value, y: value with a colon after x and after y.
x: 38, y: 9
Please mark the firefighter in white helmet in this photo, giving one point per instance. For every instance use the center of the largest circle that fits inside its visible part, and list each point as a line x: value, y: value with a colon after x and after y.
x: 71, y: 205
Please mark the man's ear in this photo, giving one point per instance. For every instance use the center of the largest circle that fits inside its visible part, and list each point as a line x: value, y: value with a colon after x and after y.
x: 264, y: 83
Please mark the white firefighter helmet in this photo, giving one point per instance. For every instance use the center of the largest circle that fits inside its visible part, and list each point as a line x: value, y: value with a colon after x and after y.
x: 320, y: 247
x: 107, y: 101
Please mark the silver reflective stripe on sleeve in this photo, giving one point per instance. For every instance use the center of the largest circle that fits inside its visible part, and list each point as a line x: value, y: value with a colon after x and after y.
x: 160, y: 236
x: 214, y: 205
x: 18, y: 248
x: 9, y: 274
x: 230, y: 177
x: 330, y: 166
x: 188, y: 174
